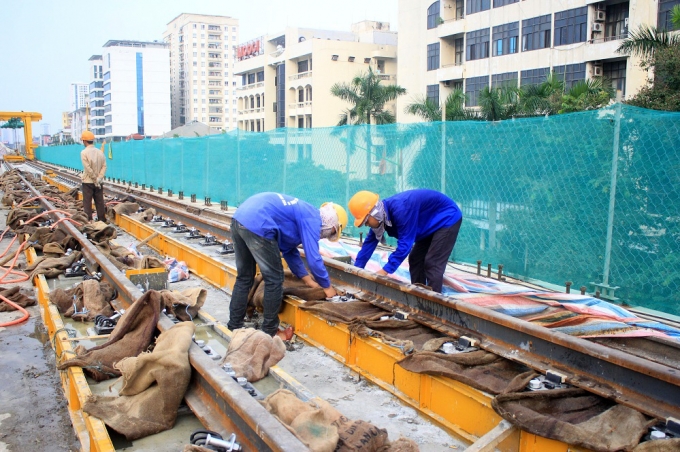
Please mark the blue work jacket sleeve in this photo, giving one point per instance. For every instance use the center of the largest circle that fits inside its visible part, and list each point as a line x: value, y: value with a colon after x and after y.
x: 294, y: 261
x: 407, y: 228
x: 310, y: 236
x: 366, y: 250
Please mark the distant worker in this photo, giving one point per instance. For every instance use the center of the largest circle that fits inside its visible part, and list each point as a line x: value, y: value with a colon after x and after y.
x: 94, y: 168
x: 267, y: 225
x: 425, y: 224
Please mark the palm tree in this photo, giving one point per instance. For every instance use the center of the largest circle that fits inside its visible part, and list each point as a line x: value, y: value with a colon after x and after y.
x: 542, y: 99
x: 367, y: 97
x: 646, y: 40
x: 497, y: 104
x: 587, y: 95
x: 454, y: 106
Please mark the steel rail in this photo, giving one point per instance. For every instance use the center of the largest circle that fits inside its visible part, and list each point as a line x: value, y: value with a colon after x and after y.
x: 650, y: 387
x: 213, y: 396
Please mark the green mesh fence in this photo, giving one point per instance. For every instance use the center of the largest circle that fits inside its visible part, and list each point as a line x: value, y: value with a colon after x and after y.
x: 545, y: 197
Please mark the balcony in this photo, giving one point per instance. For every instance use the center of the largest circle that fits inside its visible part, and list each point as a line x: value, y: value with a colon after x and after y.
x: 251, y: 86
x: 214, y: 83
x: 215, y: 37
x: 215, y: 56
x: 214, y: 74
x: 300, y: 108
x: 452, y: 71
x: 451, y: 27
x: 387, y: 77
x: 300, y: 76
x: 603, y: 48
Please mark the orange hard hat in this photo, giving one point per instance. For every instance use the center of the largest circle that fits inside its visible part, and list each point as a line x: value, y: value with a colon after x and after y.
x: 87, y: 136
x: 361, y: 204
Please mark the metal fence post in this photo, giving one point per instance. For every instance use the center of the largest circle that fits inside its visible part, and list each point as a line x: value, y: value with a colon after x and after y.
x: 612, y: 196
x: 285, y: 159
x: 443, y: 175
x: 206, y: 176
x: 238, y: 165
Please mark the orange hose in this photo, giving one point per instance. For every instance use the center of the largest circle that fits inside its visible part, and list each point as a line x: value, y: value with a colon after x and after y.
x: 9, y: 246
x: 17, y: 307
x: 46, y: 212
x: 23, y: 276
x: 64, y: 219
x: 39, y: 197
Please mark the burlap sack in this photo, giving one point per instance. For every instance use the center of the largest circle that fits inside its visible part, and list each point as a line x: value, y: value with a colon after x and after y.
x: 292, y: 285
x: 185, y: 304
x: 480, y: 369
x: 132, y: 335
x: 21, y: 297
x: 252, y: 352
x: 153, y: 387
x: 575, y: 417
x: 99, y: 232
x: 148, y: 262
x: 126, y: 208
x: 406, y: 335
x: 662, y: 445
x: 53, y: 266
x: 146, y: 215
x: 322, y: 428
x: 344, y: 312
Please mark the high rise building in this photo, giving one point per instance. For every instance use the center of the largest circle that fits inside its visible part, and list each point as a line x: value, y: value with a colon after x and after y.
x: 472, y: 44
x: 96, y: 112
x: 286, y: 77
x: 136, y: 88
x: 78, y: 95
x: 201, y: 69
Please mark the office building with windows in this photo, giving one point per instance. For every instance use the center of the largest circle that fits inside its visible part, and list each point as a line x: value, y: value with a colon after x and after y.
x: 136, y: 88
x: 472, y: 44
x: 286, y: 78
x: 96, y: 97
x: 78, y: 95
x: 202, y: 79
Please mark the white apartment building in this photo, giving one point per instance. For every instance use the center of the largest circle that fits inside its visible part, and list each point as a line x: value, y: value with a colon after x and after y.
x: 203, y: 84
x: 78, y: 95
x: 96, y: 113
x: 136, y: 88
x: 286, y: 77
x: 470, y: 44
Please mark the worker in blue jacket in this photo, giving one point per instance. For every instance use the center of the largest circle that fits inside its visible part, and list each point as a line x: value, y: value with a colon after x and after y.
x: 267, y: 225
x: 425, y: 224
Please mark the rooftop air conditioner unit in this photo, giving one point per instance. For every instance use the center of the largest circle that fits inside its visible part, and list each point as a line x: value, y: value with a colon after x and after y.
x: 597, y: 70
x: 600, y: 16
x: 597, y: 27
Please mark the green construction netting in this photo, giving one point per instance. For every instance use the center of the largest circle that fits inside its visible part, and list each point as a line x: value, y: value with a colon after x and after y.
x: 535, y: 192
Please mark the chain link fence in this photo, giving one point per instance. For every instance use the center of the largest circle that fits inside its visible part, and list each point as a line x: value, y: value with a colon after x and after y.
x: 591, y: 197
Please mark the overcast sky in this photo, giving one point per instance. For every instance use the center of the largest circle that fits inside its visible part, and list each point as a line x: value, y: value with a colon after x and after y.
x: 46, y: 43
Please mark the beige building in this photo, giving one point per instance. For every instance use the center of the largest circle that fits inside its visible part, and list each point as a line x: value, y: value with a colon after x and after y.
x: 470, y: 44
x: 286, y: 78
x: 202, y: 70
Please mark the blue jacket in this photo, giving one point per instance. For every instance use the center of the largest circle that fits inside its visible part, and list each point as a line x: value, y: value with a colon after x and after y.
x: 290, y: 222
x: 415, y: 214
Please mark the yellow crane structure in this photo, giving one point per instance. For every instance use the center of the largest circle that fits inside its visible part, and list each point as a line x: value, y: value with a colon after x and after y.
x: 26, y: 117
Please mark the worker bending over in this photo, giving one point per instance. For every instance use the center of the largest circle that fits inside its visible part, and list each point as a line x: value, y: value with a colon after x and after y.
x: 267, y: 225
x: 94, y: 168
x: 425, y: 224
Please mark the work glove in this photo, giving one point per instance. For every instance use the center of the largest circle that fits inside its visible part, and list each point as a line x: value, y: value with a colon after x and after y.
x: 99, y: 181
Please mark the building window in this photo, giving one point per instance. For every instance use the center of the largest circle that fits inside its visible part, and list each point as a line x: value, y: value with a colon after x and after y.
x: 251, y: 78
x: 536, y: 33
x: 473, y: 86
x: 534, y: 76
x: 499, y: 3
x: 571, y: 74
x: 433, y: 56
x: 570, y: 26
x: 665, y: 13
x: 507, y: 79
x: 303, y: 66
x: 459, y: 49
x: 477, y: 44
x: 505, y: 39
x: 260, y: 76
x: 475, y: 6
x: 616, y: 25
x: 432, y: 93
x: 433, y: 15
x: 616, y: 72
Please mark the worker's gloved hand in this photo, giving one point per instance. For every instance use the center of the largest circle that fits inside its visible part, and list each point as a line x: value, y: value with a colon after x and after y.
x: 330, y: 292
x: 99, y: 181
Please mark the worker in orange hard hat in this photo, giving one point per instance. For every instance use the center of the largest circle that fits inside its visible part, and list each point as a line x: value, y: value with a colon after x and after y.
x: 94, y: 168
x: 425, y: 224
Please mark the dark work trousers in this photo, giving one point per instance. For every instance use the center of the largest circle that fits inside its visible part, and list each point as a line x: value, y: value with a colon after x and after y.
x: 90, y: 191
x: 251, y: 249
x: 428, y: 258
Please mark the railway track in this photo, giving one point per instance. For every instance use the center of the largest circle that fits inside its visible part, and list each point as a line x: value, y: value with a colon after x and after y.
x: 640, y: 373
